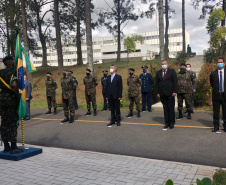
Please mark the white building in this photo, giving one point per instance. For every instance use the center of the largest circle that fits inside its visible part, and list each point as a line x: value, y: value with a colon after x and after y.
x: 105, y: 49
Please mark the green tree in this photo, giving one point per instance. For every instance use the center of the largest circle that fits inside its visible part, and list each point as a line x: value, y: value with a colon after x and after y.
x: 117, y: 16
x: 130, y: 44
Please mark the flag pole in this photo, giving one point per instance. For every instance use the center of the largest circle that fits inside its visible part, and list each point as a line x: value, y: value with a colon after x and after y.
x: 22, y: 130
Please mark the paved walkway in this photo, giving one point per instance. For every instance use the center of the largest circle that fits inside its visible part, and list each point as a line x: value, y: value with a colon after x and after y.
x: 63, y: 166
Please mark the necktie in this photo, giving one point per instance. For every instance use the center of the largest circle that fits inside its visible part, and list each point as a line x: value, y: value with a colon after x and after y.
x: 221, y: 85
x: 164, y: 74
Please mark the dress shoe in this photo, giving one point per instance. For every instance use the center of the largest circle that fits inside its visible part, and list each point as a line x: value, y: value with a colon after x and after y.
x: 27, y: 118
x: 66, y: 119
x: 118, y: 123
x: 215, y: 129
x: 171, y: 126
x: 149, y: 110
x: 103, y: 109
x: 111, y: 123
x: 166, y: 126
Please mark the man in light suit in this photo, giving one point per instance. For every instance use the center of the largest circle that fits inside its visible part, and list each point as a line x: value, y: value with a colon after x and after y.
x: 28, y: 88
x: 114, y: 95
x: 167, y: 87
x: 217, y: 82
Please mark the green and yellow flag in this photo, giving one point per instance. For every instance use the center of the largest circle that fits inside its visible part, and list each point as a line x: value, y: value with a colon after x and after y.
x: 19, y: 71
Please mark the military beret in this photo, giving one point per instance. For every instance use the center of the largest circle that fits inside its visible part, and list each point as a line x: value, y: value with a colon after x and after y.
x: 67, y: 70
x: 144, y: 67
x: 183, y: 64
x: 131, y: 69
x: 88, y: 70
x: 48, y: 73
x: 71, y: 72
x: 7, y: 58
x: 105, y: 71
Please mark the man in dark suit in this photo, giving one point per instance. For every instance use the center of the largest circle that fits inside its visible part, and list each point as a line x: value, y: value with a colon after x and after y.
x: 167, y: 87
x: 28, y: 88
x: 114, y: 95
x: 147, y: 80
x: 217, y: 81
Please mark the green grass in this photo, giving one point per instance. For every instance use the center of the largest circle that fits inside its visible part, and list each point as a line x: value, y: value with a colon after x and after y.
x: 219, y: 178
x: 39, y: 77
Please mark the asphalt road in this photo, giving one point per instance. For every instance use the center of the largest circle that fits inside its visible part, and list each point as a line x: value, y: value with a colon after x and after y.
x: 191, y: 141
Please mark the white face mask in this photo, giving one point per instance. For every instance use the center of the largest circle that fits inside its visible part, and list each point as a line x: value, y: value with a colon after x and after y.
x: 188, y: 69
x: 111, y: 70
x: 164, y: 66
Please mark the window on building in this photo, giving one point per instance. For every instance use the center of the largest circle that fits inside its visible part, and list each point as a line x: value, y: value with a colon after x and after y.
x: 108, y: 41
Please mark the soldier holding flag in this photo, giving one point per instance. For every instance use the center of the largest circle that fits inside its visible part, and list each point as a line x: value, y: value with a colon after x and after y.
x: 9, y: 102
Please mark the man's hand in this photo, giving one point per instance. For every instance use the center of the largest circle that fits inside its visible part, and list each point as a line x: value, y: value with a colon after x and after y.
x: 174, y: 94
x: 194, y: 90
x: 27, y: 99
x: 158, y: 95
x: 119, y: 98
x: 106, y: 98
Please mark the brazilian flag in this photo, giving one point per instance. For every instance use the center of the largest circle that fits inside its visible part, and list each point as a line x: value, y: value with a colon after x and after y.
x: 19, y: 71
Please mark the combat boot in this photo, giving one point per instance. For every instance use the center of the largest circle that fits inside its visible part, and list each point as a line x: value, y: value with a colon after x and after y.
x: 7, y: 147
x: 66, y: 119
x: 71, y: 120
x: 189, y: 114
x: 88, y: 113
x: 180, y: 115
x: 15, y: 149
x: 130, y: 114
x: 138, y: 114
x: 95, y: 112
x: 55, y: 111
x: 49, y: 111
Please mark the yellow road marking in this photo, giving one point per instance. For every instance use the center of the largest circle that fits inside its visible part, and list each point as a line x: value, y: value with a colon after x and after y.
x: 127, y: 123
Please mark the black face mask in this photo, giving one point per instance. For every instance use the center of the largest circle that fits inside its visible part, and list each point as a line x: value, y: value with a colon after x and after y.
x: 131, y: 74
x: 182, y: 70
x: 64, y: 74
x: 87, y: 74
x: 48, y: 77
x: 105, y: 75
x: 144, y: 70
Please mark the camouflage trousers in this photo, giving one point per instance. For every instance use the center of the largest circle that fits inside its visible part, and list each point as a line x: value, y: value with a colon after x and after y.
x: 51, y: 100
x: 188, y: 101
x: 135, y: 99
x: 89, y: 99
x: 68, y: 105
x: 9, y: 118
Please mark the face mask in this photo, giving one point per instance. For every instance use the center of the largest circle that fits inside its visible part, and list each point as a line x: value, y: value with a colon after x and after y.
x: 131, y: 74
x: 87, y: 74
x: 105, y: 75
x: 182, y: 70
x: 48, y: 77
x: 64, y: 74
x: 188, y: 69
x: 220, y: 65
x: 144, y: 70
x: 111, y: 70
x: 164, y: 66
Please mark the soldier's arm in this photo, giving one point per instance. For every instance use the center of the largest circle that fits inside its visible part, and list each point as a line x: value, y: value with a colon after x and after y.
x: 55, y: 84
x: 95, y: 81
x: 139, y: 82
x: 151, y: 79
x: 73, y: 83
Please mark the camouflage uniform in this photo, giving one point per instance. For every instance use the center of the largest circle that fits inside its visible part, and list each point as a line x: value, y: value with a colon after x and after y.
x: 134, y: 91
x: 185, y: 82
x: 90, y: 83
x: 9, y: 104
x: 68, y: 85
x: 51, y: 87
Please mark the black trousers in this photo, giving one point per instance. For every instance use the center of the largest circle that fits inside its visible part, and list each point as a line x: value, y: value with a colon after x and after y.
x: 168, y: 103
x: 115, y: 110
x: 106, y: 105
x: 216, y: 110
